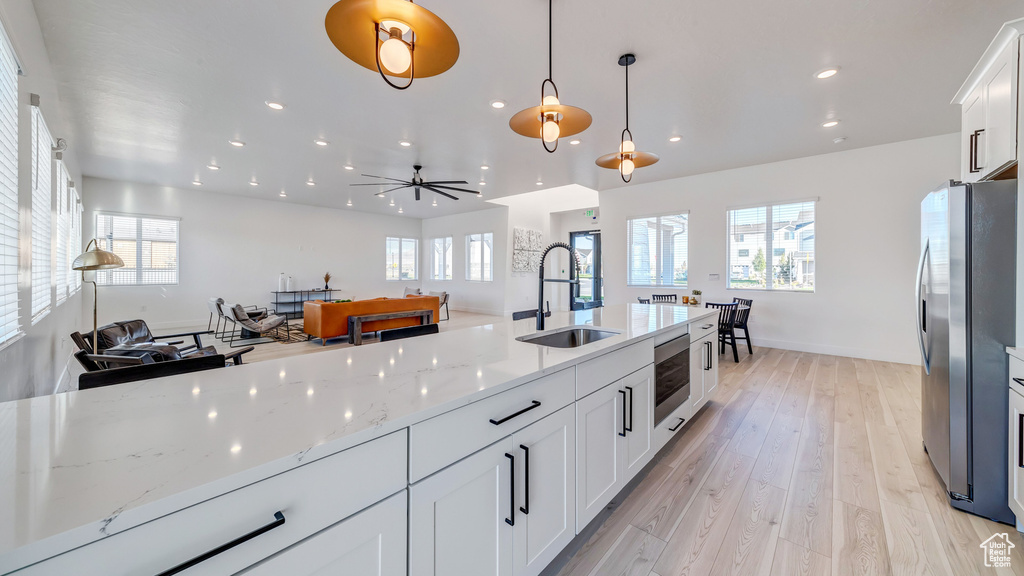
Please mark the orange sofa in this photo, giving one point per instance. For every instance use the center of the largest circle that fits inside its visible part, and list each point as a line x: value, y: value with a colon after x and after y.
x: 326, y: 320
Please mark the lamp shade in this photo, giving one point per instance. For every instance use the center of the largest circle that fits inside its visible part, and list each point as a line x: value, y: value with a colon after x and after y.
x: 97, y: 259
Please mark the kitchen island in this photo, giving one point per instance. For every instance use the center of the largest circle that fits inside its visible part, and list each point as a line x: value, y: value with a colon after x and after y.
x: 147, y: 475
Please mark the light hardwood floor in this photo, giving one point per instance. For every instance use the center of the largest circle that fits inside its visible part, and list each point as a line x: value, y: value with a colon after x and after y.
x: 800, y: 464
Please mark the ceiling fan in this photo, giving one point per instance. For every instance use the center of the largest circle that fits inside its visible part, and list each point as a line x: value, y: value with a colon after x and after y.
x: 418, y: 182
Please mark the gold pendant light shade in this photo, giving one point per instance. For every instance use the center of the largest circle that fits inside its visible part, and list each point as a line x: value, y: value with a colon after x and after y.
x: 569, y: 120
x: 395, y: 37
x: 639, y: 159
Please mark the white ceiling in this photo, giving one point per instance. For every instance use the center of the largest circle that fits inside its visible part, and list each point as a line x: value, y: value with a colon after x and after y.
x: 155, y: 89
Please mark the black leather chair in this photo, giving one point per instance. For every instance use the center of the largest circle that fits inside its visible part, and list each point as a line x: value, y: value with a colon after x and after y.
x: 134, y: 369
x: 742, y: 317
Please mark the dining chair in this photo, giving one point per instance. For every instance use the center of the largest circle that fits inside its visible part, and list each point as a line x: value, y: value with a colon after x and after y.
x: 664, y: 298
x: 726, y: 326
x: 643, y: 300
x: 742, y: 316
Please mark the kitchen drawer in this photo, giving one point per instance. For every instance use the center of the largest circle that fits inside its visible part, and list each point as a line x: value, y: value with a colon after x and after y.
x: 702, y: 328
x: 444, y: 439
x: 595, y: 374
x: 678, y: 422
x: 1017, y: 371
x: 310, y: 498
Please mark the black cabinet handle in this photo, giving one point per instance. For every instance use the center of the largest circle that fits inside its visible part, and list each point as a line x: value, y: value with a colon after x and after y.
x: 676, y: 427
x: 1019, y: 381
x: 1020, y: 440
x: 630, y: 427
x: 971, y: 153
x: 535, y: 404
x: 623, y: 433
x: 511, y: 520
x: 278, y: 521
x: 975, y: 139
x: 710, y: 352
x: 525, y: 509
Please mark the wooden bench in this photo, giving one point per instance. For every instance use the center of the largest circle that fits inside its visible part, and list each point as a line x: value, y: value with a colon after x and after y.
x: 355, y: 323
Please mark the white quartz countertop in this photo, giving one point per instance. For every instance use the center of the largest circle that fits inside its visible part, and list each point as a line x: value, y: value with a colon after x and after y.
x: 78, y: 466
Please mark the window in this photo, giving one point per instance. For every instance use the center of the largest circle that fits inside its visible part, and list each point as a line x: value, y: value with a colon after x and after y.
x: 148, y: 246
x: 63, y: 229
x: 42, y: 193
x: 75, y: 241
x: 658, y: 250
x: 480, y: 257
x: 441, y: 258
x: 401, y: 258
x: 9, y: 328
x: 782, y: 239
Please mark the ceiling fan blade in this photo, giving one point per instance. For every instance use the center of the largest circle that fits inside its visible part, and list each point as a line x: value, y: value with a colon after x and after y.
x: 455, y: 189
x: 432, y: 189
x: 382, y: 183
x: 383, y: 177
x: 417, y: 193
x: 447, y: 182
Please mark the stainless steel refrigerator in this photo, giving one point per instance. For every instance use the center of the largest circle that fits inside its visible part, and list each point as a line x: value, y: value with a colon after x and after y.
x: 966, y: 314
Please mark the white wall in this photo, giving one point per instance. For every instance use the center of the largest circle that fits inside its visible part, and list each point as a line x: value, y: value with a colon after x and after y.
x: 867, y: 243
x: 38, y: 363
x: 479, y: 297
x: 234, y: 248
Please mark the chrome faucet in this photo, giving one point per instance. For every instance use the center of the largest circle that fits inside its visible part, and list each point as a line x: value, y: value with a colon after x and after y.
x: 574, y: 271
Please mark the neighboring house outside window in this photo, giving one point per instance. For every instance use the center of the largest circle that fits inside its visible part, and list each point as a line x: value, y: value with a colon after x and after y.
x: 777, y: 247
x: 658, y: 250
x: 400, y: 258
x: 147, y: 244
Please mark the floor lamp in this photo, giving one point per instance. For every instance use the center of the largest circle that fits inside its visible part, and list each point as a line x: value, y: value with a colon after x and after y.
x: 95, y: 259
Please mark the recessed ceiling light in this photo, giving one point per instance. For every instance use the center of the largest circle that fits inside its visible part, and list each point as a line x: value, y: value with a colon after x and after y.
x: 435, y: 202
x: 539, y: 183
x: 213, y: 167
x: 839, y: 140
x: 350, y: 167
x: 310, y: 183
x: 197, y: 183
x: 574, y: 142
x: 497, y: 104
x: 405, y: 143
x: 380, y: 194
x: 321, y: 142
x: 830, y: 124
x: 482, y: 183
x: 400, y: 211
x: 392, y: 203
x: 349, y: 203
x: 236, y: 143
x: 826, y: 73
x: 274, y: 105
x: 253, y: 183
x: 283, y: 194
x: 675, y: 139
x: 485, y: 167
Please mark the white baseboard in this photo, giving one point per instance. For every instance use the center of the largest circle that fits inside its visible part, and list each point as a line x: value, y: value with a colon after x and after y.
x: 486, y: 311
x: 179, y: 324
x: 815, y: 348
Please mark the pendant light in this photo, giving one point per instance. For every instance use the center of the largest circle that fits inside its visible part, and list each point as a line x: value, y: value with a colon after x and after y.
x: 396, y: 38
x: 552, y: 119
x: 628, y: 158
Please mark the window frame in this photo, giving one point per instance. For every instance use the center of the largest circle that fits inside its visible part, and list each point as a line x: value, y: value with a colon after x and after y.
x: 484, y: 238
x: 448, y: 245
x: 769, y: 248
x: 138, y: 248
x: 415, y: 260
x: 629, y: 250
x: 41, y: 224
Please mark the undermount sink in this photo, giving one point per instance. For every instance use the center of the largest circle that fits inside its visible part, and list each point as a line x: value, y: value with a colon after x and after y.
x: 570, y: 337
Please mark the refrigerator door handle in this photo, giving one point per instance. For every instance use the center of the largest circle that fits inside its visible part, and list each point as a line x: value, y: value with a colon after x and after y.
x: 920, y: 308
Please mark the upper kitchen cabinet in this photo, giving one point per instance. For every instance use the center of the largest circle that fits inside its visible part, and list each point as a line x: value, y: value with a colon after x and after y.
x: 988, y: 107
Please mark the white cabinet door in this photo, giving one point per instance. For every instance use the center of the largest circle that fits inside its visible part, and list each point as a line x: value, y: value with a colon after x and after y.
x: 639, y: 448
x: 371, y: 543
x: 1016, y: 455
x: 972, y: 126
x: 999, y: 141
x: 598, y: 473
x: 545, y: 519
x: 698, y: 359
x: 459, y: 518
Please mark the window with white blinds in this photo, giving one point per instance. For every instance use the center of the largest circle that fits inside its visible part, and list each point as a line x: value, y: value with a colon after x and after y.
x: 63, y: 229
x: 75, y: 240
x: 42, y: 195
x: 441, y: 258
x: 480, y: 257
x: 658, y: 247
x: 148, y: 246
x: 9, y: 327
x: 772, y: 247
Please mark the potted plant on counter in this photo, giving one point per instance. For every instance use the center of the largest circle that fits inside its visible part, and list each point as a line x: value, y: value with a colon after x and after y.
x: 695, y: 298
